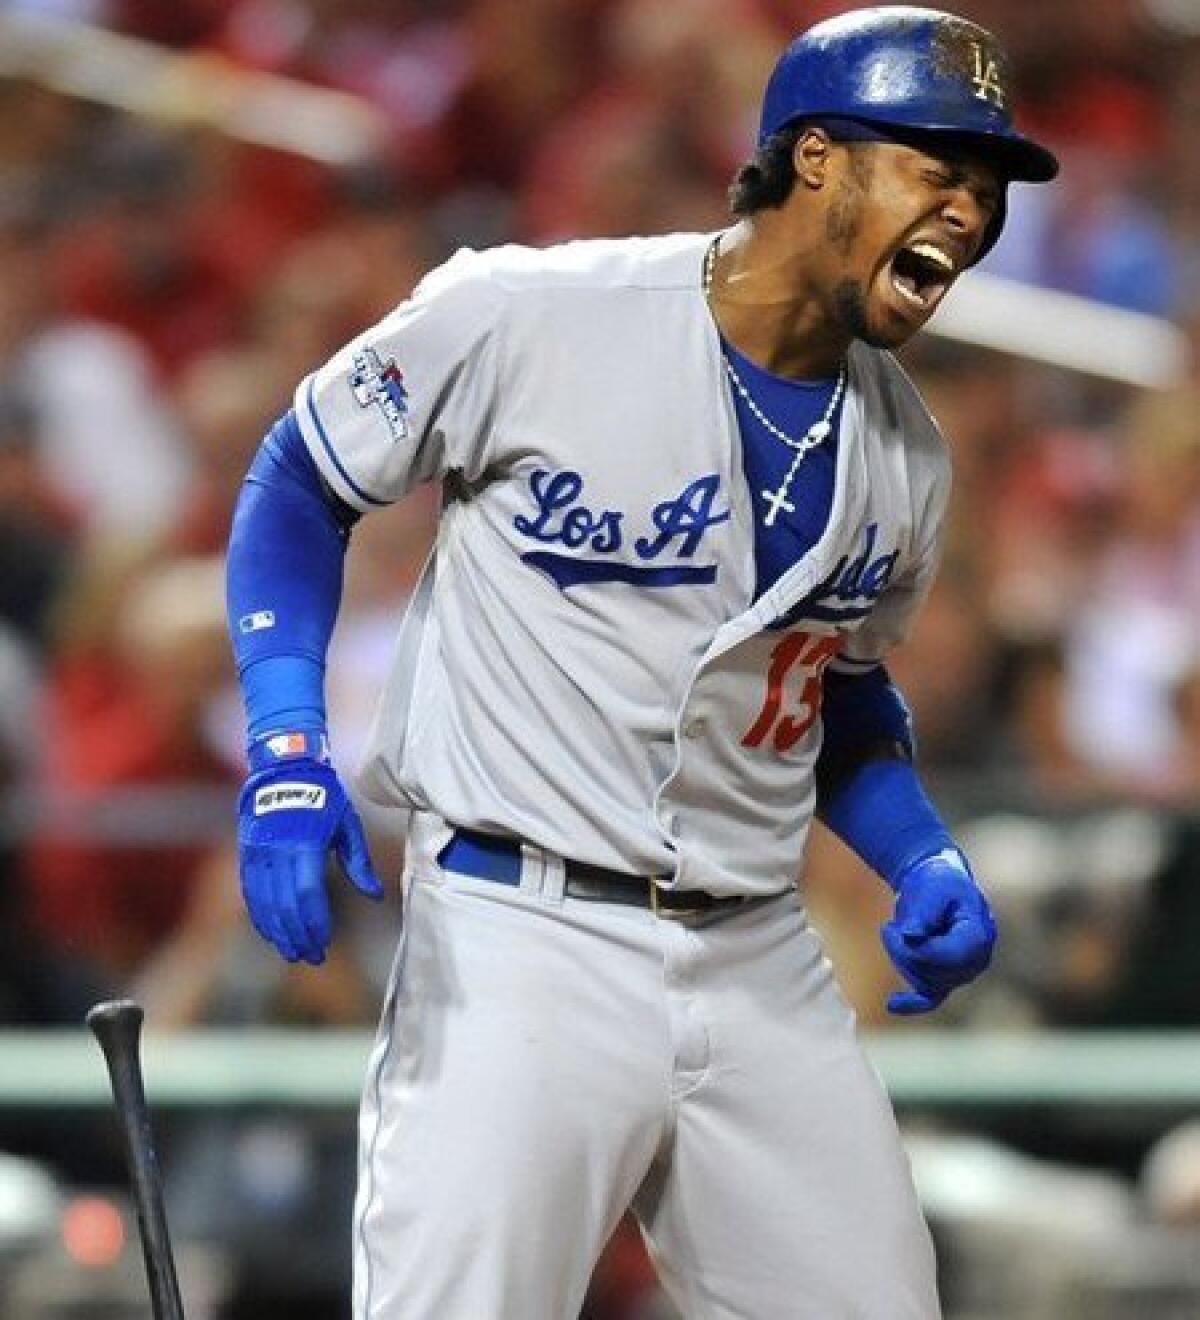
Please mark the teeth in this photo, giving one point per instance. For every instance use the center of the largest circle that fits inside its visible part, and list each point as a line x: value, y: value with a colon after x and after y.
x: 934, y: 255
x: 907, y: 289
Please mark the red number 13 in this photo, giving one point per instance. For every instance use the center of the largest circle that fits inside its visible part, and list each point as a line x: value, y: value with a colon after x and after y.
x: 811, y: 654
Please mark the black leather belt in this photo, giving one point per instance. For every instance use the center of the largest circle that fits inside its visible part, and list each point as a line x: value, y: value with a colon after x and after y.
x: 491, y: 857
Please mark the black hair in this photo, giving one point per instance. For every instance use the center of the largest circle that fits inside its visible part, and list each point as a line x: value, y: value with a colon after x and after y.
x: 767, y: 180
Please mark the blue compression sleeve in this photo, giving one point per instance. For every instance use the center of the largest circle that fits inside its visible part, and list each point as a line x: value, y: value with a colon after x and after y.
x: 874, y: 803
x: 858, y: 710
x: 284, y: 583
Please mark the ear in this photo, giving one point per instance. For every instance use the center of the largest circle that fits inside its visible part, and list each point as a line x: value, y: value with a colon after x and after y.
x: 810, y: 158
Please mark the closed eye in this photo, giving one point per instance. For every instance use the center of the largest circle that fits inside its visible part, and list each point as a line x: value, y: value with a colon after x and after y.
x: 986, y: 197
x: 989, y: 199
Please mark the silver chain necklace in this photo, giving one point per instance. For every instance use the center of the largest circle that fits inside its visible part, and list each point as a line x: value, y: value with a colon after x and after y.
x: 799, y: 445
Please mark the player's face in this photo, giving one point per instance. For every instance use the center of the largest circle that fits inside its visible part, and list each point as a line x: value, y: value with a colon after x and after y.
x: 902, y: 225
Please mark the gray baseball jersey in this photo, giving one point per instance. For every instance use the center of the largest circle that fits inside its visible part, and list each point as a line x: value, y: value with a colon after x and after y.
x: 583, y: 664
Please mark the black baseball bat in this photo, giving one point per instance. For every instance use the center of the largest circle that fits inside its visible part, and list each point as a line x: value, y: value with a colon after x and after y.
x: 117, y: 1025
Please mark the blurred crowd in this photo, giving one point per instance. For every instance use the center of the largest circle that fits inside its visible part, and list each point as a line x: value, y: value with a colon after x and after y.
x: 164, y: 286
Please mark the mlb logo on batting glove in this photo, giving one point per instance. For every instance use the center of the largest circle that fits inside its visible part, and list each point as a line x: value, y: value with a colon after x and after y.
x: 292, y: 813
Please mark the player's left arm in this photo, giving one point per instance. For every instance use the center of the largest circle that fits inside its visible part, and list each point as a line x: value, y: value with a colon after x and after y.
x: 870, y: 795
x: 869, y: 792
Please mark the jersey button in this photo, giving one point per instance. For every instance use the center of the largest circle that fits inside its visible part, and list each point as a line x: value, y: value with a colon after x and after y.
x: 693, y: 728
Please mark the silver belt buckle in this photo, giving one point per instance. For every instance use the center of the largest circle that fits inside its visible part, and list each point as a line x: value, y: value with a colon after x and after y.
x: 670, y: 914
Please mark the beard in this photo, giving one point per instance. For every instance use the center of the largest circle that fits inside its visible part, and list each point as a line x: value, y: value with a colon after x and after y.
x: 843, y: 221
x: 851, y: 308
x: 844, y: 218
x: 850, y: 302
x: 843, y: 225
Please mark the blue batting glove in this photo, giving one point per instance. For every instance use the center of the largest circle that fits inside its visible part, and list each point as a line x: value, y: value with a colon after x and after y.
x: 292, y: 811
x: 942, y: 933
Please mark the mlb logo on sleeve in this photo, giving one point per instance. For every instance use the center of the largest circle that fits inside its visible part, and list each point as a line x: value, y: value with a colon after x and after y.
x: 257, y: 621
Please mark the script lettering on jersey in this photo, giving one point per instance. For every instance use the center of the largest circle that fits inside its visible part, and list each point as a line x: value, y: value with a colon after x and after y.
x: 850, y: 591
x: 563, y: 517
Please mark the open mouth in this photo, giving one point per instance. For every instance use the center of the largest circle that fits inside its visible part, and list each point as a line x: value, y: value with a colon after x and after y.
x: 921, y: 273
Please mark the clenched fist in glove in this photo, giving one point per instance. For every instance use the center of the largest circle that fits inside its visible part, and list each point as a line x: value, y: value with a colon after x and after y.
x: 941, y: 934
x: 292, y: 812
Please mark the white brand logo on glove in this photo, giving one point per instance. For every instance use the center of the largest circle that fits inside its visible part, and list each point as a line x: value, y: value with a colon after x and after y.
x: 289, y: 797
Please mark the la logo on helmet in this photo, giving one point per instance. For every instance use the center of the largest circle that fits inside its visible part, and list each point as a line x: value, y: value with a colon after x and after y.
x: 986, y: 76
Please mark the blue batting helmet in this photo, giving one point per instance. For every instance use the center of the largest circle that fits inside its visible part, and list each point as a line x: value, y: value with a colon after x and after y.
x: 912, y: 73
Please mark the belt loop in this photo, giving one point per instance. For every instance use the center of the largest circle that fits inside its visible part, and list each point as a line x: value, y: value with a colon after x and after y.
x: 426, y: 836
x: 532, y: 869
x: 553, y: 871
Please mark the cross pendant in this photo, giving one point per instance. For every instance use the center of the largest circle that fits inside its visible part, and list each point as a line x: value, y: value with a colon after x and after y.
x: 776, y: 500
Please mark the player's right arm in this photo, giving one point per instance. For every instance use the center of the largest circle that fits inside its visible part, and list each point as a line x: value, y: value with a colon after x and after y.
x: 404, y: 403
x: 284, y: 585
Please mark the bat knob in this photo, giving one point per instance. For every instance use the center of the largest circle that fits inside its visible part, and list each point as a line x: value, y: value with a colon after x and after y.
x: 114, y: 1010
x: 115, y: 1020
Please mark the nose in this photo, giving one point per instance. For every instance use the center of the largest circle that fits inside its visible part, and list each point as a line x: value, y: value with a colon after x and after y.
x: 966, y: 215
x: 964, y: 212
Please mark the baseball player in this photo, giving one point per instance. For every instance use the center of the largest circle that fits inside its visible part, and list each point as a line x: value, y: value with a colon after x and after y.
x: 690, y: 504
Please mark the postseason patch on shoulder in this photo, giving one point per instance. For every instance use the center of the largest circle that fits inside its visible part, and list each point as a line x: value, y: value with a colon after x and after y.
x: 378, y: 382
x: 288, y: 797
